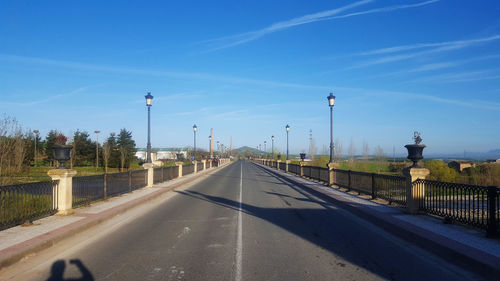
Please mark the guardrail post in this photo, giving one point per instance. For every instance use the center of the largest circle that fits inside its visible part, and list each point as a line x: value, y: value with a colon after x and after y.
x: 492, y: 230
x: 130, y: 181
x: 195, y: 167
x: 332, y: 176
x: 204, y: 164
x: 179, y: 164
x: 65, y: 189
x: 278, y: 164
x: 374, y: 191
x: 415, y: 194
x: 105, y: 186
x: 302, y: 164
x: 286, y: 165
x: 149, y: 167
x: 349, y: 180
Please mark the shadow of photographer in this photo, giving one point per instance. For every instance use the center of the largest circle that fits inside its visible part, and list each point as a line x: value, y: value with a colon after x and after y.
x: 59, y: 267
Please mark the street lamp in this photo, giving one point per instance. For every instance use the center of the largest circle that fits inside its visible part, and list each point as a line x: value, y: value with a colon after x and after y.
x: 36, y: 140
x: 209, y: 144
x: 194, y: 132
x: 265, y: 149
x: 149, y: 103
x: 97, y: 149
x: 287, y: 130
x: 272, y: 146
x: 331, y: 103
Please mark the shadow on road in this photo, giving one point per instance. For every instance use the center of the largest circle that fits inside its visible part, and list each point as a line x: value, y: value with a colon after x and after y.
x: 318, y: 219
x: 59, y: 267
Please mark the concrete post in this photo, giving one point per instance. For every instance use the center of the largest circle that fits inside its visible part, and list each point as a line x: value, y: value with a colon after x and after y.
x: 414, y: 194
x: 195, y: 166
x: 302, y: 164
x: 204, y: 164
x: 210, y: 163
x: 332, y: 176
x: 179, y: 164
x: 286, y: 165
x: 65, y: 190
x: 151, y: 170
x: 278, y: 164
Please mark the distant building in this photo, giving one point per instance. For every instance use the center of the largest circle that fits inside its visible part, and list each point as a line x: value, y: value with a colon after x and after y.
x: 162, y: 154
x: 497, y: 161
x: 461, y: 165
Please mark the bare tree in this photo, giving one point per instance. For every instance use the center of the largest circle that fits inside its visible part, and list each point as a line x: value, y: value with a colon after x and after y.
x: 123, y: 157
x: 338, y: 150
x: 352, y: 151
x: 379, y: 153
x: 106, y: 154
x: 366, y: 150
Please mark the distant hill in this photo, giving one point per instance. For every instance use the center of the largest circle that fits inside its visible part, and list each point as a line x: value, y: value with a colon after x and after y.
x: 244, y: 149
x: 492, y: 154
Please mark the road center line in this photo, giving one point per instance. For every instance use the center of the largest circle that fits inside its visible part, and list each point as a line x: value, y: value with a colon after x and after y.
x: 239, y: 242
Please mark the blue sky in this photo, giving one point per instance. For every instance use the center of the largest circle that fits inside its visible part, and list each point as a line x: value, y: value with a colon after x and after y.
x: 248, y: 68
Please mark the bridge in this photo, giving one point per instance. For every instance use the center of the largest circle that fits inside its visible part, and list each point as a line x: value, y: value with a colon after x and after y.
x: 244, y: 221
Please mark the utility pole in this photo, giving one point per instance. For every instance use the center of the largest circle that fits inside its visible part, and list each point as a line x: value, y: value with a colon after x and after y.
x: 97, y: 149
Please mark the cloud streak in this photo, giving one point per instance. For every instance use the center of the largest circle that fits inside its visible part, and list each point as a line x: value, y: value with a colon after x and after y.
x: 242, y: 38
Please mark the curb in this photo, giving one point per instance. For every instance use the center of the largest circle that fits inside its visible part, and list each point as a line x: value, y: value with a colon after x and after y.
x: 459, y: 254
x: 15, y: 253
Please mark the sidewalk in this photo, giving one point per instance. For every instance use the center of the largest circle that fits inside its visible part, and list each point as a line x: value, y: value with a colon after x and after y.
x: 450, y: 241
x: 20, y: 241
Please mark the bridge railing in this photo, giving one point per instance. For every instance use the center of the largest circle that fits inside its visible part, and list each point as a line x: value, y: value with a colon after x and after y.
x: 477, y: 206
x: 20, y: 203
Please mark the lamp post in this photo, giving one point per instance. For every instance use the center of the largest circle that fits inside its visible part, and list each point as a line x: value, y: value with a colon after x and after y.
x: 149, y: 103
x: 287, y: 130
x: 331, y: 103
x: 195, y: 128
x: 209, y: 144
x: 272, y: 146
x: 36, y: 140
x: 97, y: 149
x: 265, y: 150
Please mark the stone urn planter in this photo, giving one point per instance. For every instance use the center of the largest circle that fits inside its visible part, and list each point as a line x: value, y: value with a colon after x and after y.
x: 302, y: 156
x: 415, y: 150
x: 62, y: 153
x: 180, y: 156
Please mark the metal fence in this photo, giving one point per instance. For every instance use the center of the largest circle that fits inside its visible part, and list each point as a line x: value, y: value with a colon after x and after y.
x: 87, y: 189
x: 187, y: 169
x: 390, y: 188
x: 170, y: 173
x: 294, y: 169
x: 117, y: 183
x: 199, y: 166
x: 282, y: 166
x: 158, y: 175
x: 468, y: 204
x: 138, y: 179
x: 24, y: 202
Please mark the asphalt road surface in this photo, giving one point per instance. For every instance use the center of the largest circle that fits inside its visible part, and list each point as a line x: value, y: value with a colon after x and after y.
x: 240, y: 223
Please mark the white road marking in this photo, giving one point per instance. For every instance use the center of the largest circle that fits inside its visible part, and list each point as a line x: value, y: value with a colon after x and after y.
x: 239, y: 242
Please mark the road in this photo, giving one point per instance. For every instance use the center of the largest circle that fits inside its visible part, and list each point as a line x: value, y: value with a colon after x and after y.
x: 240, y: 223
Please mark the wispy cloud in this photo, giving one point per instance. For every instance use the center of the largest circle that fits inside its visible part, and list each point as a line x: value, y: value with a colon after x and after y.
x: 47, y: 99
x: 238, y: 39
x: 161, y: 73
x: 456, y: 77
x: 432, y: 48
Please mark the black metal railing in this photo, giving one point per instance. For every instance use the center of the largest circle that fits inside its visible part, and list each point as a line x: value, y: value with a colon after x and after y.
x: 117, y: 183
x: 199, y: 166
x: 170, y: 173
x: 139, y: 179
x: 187, y: 169
x: 25, y: 202
x: 294, y: 169
x: 390, y: 188
x: 468, y: 204
x: 87, y: 189
x: 158, y: 175
x: 282, y: 166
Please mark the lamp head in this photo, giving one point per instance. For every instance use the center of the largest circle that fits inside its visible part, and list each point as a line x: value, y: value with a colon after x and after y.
x: 331, y: 100
x: 149, y: 99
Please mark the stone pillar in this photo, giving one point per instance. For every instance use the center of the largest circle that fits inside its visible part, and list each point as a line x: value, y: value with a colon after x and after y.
x: 179, y: 164
x: 286, y: 165
x: 210, y: 163
x: 332, y: 179
x: 151, y: 170
x: 204, y: 164
x: 64, y: 193
x: 278, y: 164
x: 195, y: 166
x: 414, y: 194
x: 302, y: 164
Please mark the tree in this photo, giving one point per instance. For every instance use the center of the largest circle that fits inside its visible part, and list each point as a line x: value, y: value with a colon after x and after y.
x: 126, y: 146
x: 352, y: 151
x: 440, y: 171
x: 106, y: 154
x: 84, y: 149
x: 50, y: 140
x: 379, y: 153
x: 366, y: 150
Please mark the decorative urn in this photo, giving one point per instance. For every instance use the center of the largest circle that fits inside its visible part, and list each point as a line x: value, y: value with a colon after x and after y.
x: 302, y: 156
x: 62, y: 152
x: 415, y: 150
